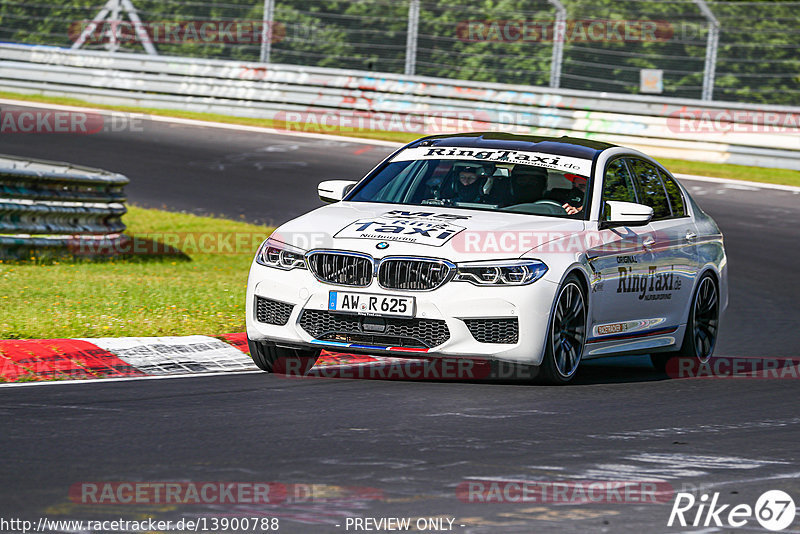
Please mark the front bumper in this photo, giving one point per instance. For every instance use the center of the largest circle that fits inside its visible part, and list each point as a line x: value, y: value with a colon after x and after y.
x: 453, y: 303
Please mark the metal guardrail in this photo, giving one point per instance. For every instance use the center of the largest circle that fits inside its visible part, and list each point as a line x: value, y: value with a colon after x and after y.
x: 52, y: 205
x: 664, y: 127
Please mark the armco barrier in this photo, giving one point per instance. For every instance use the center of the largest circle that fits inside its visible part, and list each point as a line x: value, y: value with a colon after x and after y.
x: 47, y: 205
x: 745, y: 134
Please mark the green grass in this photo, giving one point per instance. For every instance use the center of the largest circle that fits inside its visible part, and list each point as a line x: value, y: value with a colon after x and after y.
x: 734, y: 172
x: 720, y: 170
x: 167, y: 295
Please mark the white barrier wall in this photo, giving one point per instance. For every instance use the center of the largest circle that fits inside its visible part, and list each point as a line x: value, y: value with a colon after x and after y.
x: 331, y: 99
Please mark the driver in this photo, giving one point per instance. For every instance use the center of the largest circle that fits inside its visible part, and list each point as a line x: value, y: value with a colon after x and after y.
x: 469, y: 183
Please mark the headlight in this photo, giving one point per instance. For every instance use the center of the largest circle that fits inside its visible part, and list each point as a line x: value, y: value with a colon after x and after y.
x: 501, y: 273
x: 280, y: 255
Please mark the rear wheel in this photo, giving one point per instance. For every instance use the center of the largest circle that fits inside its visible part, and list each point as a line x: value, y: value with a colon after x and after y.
x: 567, y: 335
x: 701, y: 328
x: 281, y: 360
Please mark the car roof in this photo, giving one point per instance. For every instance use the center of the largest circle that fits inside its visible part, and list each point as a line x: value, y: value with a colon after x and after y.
x: 564, y: 146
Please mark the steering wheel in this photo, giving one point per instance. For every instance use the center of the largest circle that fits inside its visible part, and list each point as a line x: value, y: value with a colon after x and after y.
x: 549, y: 202
x: 550, y: 207
x: 540, y: 207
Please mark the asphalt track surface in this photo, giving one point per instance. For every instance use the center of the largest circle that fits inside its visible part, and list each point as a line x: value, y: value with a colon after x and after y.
x: 412, y: 442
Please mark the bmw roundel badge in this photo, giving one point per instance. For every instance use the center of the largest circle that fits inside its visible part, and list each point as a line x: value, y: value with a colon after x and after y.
x: 382, y: 245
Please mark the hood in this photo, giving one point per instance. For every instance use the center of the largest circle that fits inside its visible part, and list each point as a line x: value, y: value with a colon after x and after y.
x: 429, y: 231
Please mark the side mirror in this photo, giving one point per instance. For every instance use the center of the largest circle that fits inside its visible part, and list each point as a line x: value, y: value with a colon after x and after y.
x: 334, y: 190
x: 625, y: 214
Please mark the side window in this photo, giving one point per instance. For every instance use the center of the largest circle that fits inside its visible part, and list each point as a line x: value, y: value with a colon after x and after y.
x: 617, y: 184
x: 651, y: 190
x: 675, y: 196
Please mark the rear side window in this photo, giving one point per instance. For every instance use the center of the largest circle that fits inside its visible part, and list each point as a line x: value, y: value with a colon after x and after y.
x: 618, y: 184
x: 674, y: 195
x: 651, y: 189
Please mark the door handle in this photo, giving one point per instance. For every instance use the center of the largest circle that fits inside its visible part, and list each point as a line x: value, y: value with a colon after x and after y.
x: 648, y: 242
x: 690, y: 236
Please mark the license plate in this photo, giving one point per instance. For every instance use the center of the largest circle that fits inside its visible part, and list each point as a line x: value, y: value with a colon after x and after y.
x: 369, y: 304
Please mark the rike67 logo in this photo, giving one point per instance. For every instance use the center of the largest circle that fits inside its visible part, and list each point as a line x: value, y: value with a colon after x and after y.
x: 774, y: 510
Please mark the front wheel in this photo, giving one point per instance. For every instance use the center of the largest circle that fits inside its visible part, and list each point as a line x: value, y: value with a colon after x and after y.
x: 281, y: 360
x: 567, y: 335
x: 701, y: 328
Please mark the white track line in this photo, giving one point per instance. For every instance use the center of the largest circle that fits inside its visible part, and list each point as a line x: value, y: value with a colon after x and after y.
x: 123, y: 379
x: 201, y: 123
x: 757, y: 185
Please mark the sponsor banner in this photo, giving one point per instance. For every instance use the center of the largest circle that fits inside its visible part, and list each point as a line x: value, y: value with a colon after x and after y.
x: 570, y: 31
x: 564, y: 492
x: 777, y: 368
x: 176, y: 355
x: 627, y: 327
x: 538, y: 159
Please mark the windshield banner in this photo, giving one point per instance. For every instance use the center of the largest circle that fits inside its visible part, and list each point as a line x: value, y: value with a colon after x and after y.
x: 538, y: 159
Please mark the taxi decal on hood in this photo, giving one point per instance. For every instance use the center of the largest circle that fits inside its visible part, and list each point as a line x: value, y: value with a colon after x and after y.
x: 408, y: 230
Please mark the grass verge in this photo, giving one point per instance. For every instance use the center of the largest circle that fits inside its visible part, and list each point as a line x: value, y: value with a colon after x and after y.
x: 163, y: 295
x: 719, y: 170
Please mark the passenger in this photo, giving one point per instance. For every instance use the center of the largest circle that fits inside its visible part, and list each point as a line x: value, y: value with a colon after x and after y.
x: 574, y: 200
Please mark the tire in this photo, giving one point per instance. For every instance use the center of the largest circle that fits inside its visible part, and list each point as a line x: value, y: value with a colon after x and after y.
x: 280, y: 360
x: 702, y: 327
x: 566, y: 337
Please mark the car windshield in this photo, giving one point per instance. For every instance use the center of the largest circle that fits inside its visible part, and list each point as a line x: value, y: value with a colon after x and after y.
x: 479, y: 184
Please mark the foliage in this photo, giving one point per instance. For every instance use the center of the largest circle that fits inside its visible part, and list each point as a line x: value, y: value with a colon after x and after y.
x: 757, y: 57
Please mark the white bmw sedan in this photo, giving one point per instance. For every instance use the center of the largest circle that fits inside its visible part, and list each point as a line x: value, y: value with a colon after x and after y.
x: 541, y: 252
